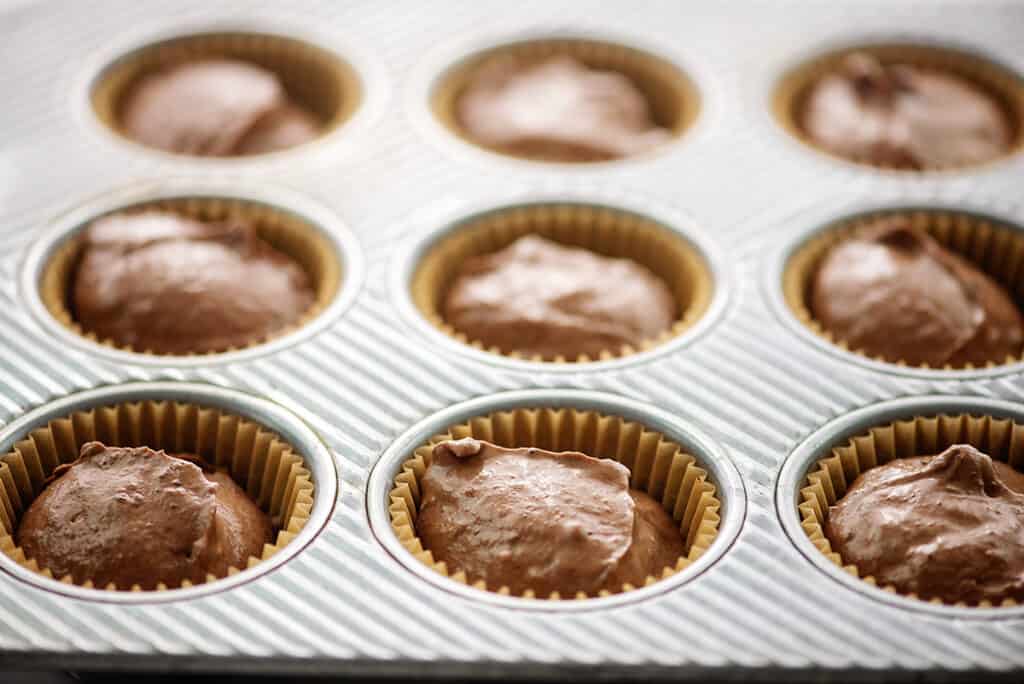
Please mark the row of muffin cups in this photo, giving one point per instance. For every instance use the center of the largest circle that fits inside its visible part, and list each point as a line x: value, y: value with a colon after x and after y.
x: 663, y: 240
x: 691, y: 479
x: 325, y: 84
x: 290, y: 474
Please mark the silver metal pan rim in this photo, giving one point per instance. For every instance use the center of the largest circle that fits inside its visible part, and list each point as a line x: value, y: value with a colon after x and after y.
x: 67, y: 225
x: 433, y: 227
x: 815, y: 446
x: 268, y: 414
x: 709, y: 455
x: 820, y: 220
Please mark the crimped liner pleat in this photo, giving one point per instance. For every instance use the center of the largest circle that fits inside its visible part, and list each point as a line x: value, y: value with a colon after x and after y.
x: 828, y: 479
x: 657, y: 466
x: 992, y: 246
x: 283, y: 230
x: 1005, y: 86
x: 314, y: 78
x: 673, y: 98
x: 266, y: 467
x: 606, y: 231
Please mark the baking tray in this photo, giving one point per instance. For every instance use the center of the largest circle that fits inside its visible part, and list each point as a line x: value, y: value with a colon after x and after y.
x: 748, y: 388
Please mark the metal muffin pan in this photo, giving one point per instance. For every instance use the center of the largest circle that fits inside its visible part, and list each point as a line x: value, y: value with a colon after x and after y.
x: 748, y: 383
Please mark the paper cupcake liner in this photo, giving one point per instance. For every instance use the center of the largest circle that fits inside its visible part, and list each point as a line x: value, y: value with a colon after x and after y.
x: 991, y: 245
x: 1005, y: 86
x: 828, y: 478
x: 610, y: 232
x: 268, y: 469
x: 314, y: 78
x: 657, y: 466
x: 673, y: 98
x: 283, y: 230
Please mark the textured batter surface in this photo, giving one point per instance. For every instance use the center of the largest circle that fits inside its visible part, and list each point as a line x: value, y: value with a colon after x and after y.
x: 159, y: 282
x: 894, y: 292
x: 949, y: 526
x: 533, y: 519
x: 134, y: 516
x: 539, y: 298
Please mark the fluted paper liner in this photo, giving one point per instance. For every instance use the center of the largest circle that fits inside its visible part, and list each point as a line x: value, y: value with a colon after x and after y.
x: 1002, y: 84
x: 314, y: 78
x: 828, y: 479
x: 992, y: 246
x: 657, y: 466
x: 267, y: 468
x: 673, y: 98
x: 283, y: 230
x: 604, y: 230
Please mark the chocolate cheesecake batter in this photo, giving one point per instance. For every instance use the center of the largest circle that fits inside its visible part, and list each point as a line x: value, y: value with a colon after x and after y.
x: 539, y: 298
x: 533, y: 519
x: 215, y: 108
x: 132, y: 516
x: 159, y: 282
x: 892, y: 291
x: 904, y: 117
x: 949, y: 526
x: 557, y: 110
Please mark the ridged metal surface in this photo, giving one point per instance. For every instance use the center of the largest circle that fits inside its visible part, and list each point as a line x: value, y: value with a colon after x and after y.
x: 344, y: 604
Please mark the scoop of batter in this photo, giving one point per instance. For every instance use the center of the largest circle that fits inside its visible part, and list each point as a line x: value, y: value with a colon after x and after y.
x: 159, y: 282
x: 217, y: 108
x: 904, y: 117
x: 949, y: 526
x: 131, y: 516
x: 533, y: 519
x: 893, y: 292
x: 539, y: 298
x: 557, y: 110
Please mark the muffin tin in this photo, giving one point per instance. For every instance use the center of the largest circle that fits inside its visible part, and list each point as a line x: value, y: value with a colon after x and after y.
x: 752, y: 393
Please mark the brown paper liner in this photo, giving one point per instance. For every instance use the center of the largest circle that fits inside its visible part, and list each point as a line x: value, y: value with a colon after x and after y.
x: 992, y: 246
x: 314, y: 78
x: 673, y: 98
x: 606, y: 231
x: 828, y: 478
x: 1003, y: 85
x: 267, y: 468
x: 657, y: 466
x: 283, y: 230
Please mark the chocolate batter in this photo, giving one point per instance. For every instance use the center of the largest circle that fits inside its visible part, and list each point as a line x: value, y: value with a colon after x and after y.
x: 892, y: 291
x: 534, y: 519
x: 557, y: 110
x: 131, y: 516
x: 949, y: 526
x: 163, y: 283
x: 904, y: 117
x: 215, y: 108
x: 539, y: 298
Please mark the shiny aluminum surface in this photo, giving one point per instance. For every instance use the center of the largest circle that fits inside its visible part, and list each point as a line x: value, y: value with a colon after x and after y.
x: 749, y: 382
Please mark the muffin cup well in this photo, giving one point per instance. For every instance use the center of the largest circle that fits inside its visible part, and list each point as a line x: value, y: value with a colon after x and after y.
x: 604, y: 230
x: 285, y: 231
x: 657, y: 466
x: 1006, y: 87
x: 314, y: 78
x: 672, y: 96
x: 992, y: 245
x: 828, y: 479
x: 267, y: 468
